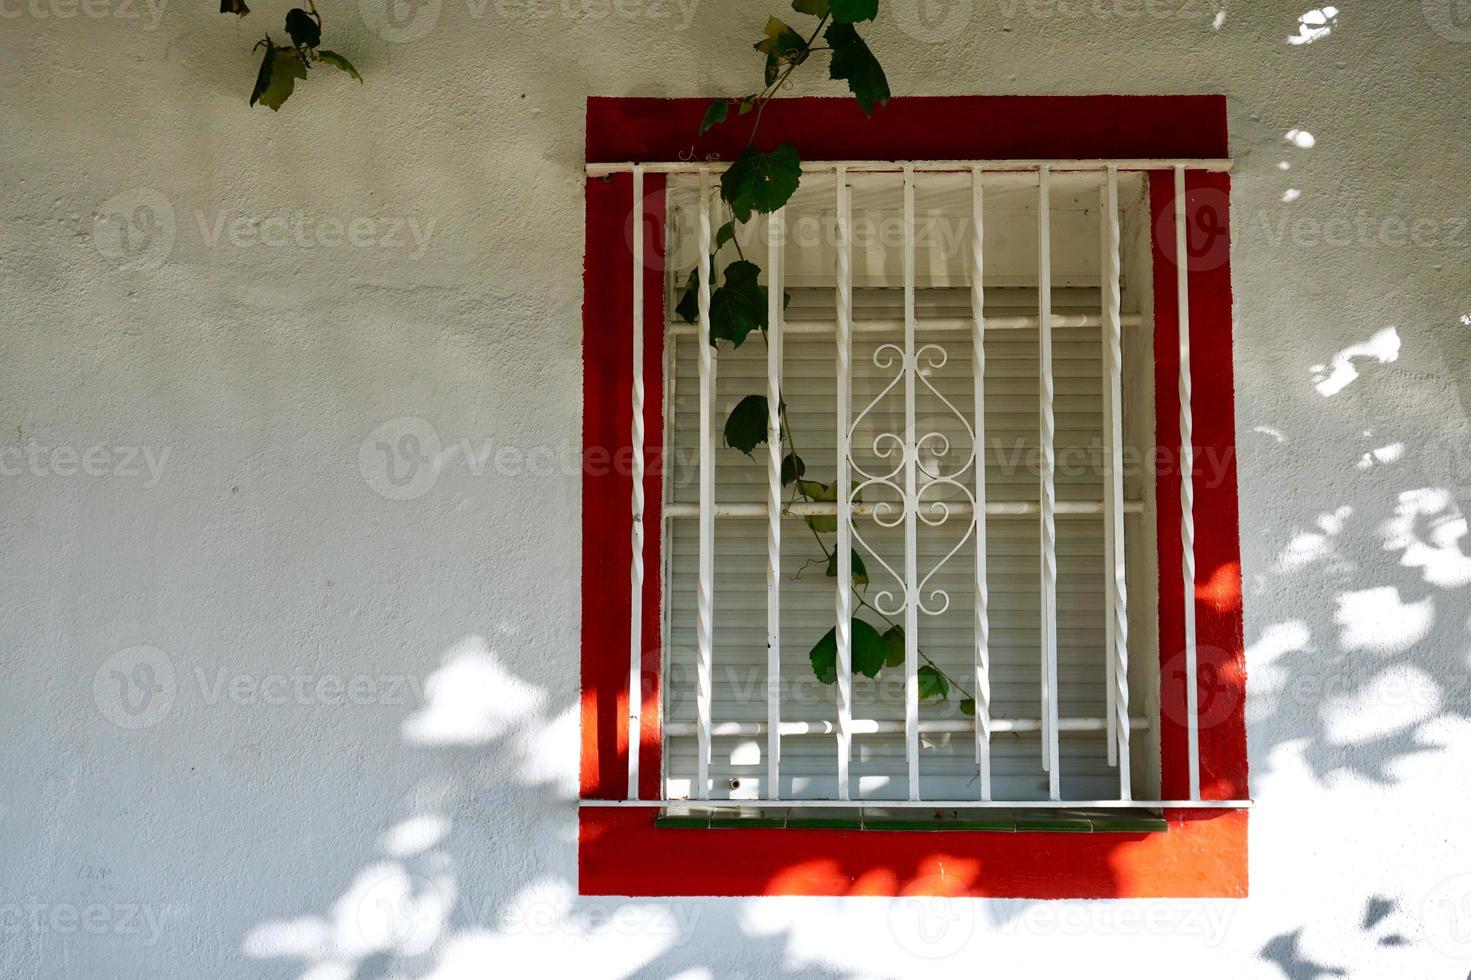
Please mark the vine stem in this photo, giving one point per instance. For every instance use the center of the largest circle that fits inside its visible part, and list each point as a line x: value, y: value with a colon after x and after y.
x: 770, y: 91
x: 938, y: 669
x: 760, y: 101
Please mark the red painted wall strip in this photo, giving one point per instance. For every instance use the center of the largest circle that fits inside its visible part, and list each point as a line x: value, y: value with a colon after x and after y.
x: 607, y: 482
x: 933, y: 128
x: 1221, y: 686
x: 620, y: 852
x: 651, y: 758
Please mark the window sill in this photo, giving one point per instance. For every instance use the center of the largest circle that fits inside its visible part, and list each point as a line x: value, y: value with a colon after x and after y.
x: 877, y: 818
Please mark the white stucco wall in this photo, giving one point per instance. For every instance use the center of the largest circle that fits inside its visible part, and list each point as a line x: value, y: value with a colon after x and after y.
x: 233, y: 523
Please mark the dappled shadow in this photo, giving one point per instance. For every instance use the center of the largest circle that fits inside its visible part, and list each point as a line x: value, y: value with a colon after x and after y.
x: 452, y: 889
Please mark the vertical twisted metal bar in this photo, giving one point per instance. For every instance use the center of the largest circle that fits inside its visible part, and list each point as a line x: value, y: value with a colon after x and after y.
x: 704, y: 665
x: 1048, y: 493
x: 775, y: 228
x: 1187, y: 483
x: 1113, y: 489
x: 844, y: 610
x: 666, y: 538
x: 978, y: 369
x: 911, y: 505
x: 636, y: 574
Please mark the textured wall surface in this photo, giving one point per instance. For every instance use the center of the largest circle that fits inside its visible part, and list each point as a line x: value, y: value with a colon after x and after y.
x: 273, y: 708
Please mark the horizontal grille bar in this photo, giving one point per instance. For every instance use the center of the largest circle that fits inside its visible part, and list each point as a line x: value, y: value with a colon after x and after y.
x: 803, y: 508
x: 942, y: 804
x: 955, y: 324
x: 922, y: 166
x: 869, y: 726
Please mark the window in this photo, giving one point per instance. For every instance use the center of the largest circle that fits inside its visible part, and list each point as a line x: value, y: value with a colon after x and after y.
x: 969, y: 647
x: 1046, y: 586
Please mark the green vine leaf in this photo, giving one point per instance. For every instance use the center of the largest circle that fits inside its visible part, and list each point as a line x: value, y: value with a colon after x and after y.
x: 793, y: 468
x: 279, y: 70
x: 739, y: 305
x: 688, y: 307
x: 894, y: 647
x: 736, y: 308
x: 932, y: 683
x: 817, y: 8
x: 745, y: 428
x: 860, y: 572
x: 725, y: 233
x: 338, y: 61
x: 822, y: 493
x: 819, y: 493
x: 761, y: 182
x: 868, y: 653
x: 715, y: 115
x: 853, y: 11
x: 305, y: 32
x: 968, y: 706
x: 854, y: 63
x: 782, y: 46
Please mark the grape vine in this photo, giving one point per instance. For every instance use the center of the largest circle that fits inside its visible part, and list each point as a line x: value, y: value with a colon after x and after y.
x: 761, y: 182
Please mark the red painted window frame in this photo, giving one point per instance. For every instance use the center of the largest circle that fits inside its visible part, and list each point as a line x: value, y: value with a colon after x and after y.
x: 1203, y: 852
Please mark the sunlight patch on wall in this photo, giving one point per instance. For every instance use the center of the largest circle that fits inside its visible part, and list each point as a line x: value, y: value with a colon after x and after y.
x: 471, y: 699
x: 1268, y: 678
x: 1379, y: 621
x: 1338, y: 374
x: 389, y: 909
x: 1390, y: 453
x: 1400, y: 697
x: 1428, y: 527
x: 1315, y: 25
x: 1301, y: 138
x: 546, y: 929
x: 414, y: 835
x: 549, y: 753
x: 1307, y: 547
x: 386, y: 910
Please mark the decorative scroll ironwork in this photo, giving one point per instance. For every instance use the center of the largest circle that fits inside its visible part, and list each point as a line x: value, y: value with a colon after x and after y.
x: 923, y: 452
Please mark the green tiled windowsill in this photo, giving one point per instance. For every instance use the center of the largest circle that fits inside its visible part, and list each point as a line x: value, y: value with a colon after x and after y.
x: 879, y: 818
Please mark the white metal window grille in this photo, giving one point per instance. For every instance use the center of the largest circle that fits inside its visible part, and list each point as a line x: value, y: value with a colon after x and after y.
x: 968, y: 347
